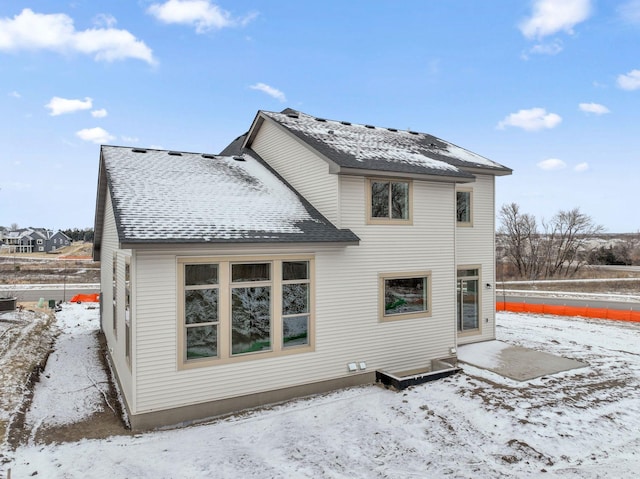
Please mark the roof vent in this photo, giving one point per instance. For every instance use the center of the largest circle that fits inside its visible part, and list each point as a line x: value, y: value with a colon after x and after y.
x: 174, y: 153
x: 346, y: 122
x: 208, y: 156
x: 433, y: 145
x: 414, y: 132
x: 321, y: 119
x: 330, y: 132
x: 239, y: 158
x: 138, y: 150
x: 369, y: 126
x: 392, y: 129
x: 293, y: 115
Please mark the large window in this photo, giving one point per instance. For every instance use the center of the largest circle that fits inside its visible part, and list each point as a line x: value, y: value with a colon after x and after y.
x: 295, y: 303
x: 114, y: 277
x: 464, y: 207
x: 201, y: 315
x: 250, y: 307
x: 389, y: 201
x: 239, y: 309
x: 127, y: 309
x: 404, y: 295
x: 468, y: 301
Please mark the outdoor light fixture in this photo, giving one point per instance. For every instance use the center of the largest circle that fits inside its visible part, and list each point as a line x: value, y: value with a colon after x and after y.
x: 452, y: 350
x: 352, y: 367
x: 488, y: 285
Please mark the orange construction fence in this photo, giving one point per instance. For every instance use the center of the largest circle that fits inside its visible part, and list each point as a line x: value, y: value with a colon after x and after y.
x: 585, y: 311
x: 86, y: 298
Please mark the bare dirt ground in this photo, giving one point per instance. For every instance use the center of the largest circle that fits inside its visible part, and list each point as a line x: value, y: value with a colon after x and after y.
x: 72, y: 264
x: 27, y: 338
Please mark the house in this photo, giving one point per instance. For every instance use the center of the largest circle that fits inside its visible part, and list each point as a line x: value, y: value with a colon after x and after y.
x: 309, y: 255
x: 56, y: 241
x: 34, y: 240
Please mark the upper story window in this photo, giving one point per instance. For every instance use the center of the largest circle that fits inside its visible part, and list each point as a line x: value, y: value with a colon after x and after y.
x: 464, y: 207
x: 389, y: 201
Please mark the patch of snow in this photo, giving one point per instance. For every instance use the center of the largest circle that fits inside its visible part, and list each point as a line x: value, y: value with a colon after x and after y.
x: 582, y: 423
x: 161, y: 196
x: 72, y: 385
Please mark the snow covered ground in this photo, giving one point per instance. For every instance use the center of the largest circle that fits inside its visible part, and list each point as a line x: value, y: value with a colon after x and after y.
x: 583, y: 423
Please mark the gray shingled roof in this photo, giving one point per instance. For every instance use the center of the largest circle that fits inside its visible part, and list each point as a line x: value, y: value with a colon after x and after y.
x: 366, y: 147
x: 178, y: 197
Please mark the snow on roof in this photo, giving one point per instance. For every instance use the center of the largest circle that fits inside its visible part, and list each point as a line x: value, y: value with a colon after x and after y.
x: 178, y: 196
x: 366, y: 146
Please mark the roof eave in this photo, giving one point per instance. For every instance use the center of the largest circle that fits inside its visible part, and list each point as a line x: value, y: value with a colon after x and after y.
x: 503, y: 171
x: 188, y: 245
x: 400, y: 174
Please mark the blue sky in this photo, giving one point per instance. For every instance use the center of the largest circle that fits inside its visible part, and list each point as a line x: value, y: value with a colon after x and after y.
x: 550, y: 88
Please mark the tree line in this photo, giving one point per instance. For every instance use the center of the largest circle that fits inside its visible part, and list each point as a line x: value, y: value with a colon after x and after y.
x: 557, y: 248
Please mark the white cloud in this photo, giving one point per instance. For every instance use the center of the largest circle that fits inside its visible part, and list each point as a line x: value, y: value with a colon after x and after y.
x: 96, y: 135
x: 105, y: 20
x: 531, y: 120
x: 551, y: 48
x: 15, y: 94
x: 580, y: 167
x: 60, y: 106
x: 552, y: 16
x: 596, y: 108
x: 269, y: 90
x: 130, y: 139
x: 552, y: 164
x: 56, y: 32
x: 630, y: 81
x: 630, y: 11
x: 202, y: 14
x: 101, y: 113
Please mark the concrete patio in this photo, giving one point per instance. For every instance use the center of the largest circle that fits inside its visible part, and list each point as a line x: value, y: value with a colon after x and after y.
x: 514, y: 362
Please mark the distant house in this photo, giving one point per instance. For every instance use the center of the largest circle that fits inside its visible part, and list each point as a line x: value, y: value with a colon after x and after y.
x: 34, y: 240
x: 308, y: 256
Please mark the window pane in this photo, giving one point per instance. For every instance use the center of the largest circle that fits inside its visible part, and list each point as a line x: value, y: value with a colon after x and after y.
x: 202, y: 342
x: 201, y: 306
x: 379, y: 200
x: 200, y: 274
x: 250, y: 272
x: 467, y: 272
x: 463, y: 206
x: 405, y: 295
x: 292, y: 270
x: 467, y: 305
x: 295, y: 298
x: 250, y: 319
x: 295, y: 331
x: 400, y: 200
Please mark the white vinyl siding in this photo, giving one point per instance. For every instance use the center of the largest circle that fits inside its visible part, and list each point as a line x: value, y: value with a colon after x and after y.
x: 115, y: 343
x: 300, y: 167
x: 347, y: 327
x: 476, y: 246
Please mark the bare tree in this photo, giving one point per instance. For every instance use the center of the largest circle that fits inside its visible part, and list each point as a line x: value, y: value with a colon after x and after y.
x: 565, y: 238
x: 519, y: 233
x: 559, y: 251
